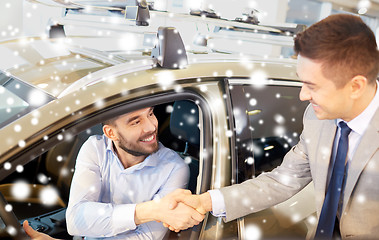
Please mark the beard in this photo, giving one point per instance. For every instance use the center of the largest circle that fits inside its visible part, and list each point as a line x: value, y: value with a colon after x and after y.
x: 135, y: 149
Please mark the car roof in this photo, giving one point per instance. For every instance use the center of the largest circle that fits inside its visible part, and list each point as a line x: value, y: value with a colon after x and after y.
x: 60, y: 66
x: 51, y: 65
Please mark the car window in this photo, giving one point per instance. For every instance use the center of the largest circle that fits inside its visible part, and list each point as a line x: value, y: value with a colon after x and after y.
x: 268, y: 122
x: 2, y: 224
x: 18, y: 99
x: 11, y: 104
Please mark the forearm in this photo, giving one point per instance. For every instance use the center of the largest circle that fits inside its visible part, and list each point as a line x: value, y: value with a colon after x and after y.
x: 94, y: 219
x: 146, y: 212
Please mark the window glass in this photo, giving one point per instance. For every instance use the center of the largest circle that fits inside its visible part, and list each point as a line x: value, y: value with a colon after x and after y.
x: 18, y: 98
x: 10, y: 104
x: 2, y: 224
x: 268, y: 122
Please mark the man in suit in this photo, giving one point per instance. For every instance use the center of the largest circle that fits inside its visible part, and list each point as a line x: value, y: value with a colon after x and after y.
x: 338, y: 63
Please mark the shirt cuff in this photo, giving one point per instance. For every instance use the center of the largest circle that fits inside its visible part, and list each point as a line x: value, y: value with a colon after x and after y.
x: 218, y: 203
x: 123, y: 217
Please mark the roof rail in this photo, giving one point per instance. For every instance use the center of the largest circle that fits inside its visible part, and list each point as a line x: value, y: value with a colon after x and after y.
x: 169, y: 49
x: 291, y: 28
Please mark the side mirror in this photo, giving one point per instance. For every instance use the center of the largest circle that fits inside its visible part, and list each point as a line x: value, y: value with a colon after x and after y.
x: 169, y: 49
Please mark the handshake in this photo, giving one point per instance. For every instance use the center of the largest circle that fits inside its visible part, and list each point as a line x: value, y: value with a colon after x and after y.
x: 178, y: 210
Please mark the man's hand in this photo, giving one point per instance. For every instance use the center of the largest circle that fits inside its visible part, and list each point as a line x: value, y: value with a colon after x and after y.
x: 33, y: 234
x: 178, y: 218
x: 202, y: 203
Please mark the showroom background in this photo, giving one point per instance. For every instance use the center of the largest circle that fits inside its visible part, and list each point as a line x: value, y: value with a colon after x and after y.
x: 28, y: 18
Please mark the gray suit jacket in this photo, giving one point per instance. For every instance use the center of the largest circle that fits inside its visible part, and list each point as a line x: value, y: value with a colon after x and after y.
x: 309, y: 160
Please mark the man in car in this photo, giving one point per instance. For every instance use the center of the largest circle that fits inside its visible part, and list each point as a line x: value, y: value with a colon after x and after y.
x: 121, y: 179
x: 338, y: 63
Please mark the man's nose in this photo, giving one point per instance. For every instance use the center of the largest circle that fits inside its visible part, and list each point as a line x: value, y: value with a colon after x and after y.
x: 304, y: 94
x: 149, y: 125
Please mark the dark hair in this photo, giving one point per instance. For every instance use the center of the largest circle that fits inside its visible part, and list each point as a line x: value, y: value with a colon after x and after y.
x: 344, y: 45
x: 110, y: 122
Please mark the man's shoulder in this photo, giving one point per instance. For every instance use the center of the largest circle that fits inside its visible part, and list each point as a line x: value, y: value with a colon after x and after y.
x: 96, y: 141
x: 168, y: 155
x: 165, y: 151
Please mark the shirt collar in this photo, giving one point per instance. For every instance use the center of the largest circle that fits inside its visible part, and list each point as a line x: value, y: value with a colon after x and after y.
x: 360, y: 123
x: 150, y: 161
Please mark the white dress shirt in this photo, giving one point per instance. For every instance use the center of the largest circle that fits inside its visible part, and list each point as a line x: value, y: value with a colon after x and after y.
x: 104, y: 194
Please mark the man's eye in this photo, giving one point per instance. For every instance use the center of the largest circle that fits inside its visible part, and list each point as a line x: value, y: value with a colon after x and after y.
x: 135, y: 123
x: 310, y: 87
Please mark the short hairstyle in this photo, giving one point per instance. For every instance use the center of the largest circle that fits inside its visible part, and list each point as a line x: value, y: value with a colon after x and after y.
x: 344, y: 45
x: 110, y: 122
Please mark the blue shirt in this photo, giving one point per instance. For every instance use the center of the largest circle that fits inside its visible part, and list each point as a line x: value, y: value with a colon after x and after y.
x: 104, y: 194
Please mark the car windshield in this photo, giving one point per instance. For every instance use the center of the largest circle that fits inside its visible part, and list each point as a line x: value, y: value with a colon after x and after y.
x: 18, y: 99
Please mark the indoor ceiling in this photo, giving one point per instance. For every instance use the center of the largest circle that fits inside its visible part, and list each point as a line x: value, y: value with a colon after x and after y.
x: 352, y: 5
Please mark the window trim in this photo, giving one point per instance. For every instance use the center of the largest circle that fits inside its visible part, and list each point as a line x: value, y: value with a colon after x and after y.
x: 74, y: 127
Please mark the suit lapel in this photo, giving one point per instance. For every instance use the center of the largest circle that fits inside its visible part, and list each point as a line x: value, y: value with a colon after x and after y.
x: 363, y: 154
x: 324, y: 152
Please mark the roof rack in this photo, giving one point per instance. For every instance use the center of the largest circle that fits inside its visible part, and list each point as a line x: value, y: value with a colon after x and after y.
x: 169, y: 49
x: 138, y: 11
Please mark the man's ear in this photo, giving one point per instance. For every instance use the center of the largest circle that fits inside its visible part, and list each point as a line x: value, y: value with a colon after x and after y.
x: 110, y: 132
x: 358, y: 86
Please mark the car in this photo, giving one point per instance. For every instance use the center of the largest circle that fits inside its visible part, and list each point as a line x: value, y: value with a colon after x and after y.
x: 230, y: 118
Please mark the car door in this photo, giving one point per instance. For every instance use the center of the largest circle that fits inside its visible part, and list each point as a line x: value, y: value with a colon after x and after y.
x: 268, y: 122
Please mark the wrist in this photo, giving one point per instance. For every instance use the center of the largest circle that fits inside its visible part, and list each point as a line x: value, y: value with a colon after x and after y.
x: 145, y: 212
x: 206, y: 201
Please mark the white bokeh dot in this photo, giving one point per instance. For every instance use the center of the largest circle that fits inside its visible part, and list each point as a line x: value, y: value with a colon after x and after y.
x: 229, y: 133
x: 17, y: 128
x: 249, y: 160
x: 42, y: 178
x: 169, y: 109
x: 8, y: 208
x: 253, y: 102
x: 11, y: 230
x: 20, y: 190
x: 187, y: 160
x: 21, y: 143
x: 7, y: 166
x: 34, y: 121
x: 49, y: 195
x: 20, y: 168
x: 253, y: 232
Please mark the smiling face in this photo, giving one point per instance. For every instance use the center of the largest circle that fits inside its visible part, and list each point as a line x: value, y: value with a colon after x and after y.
x: 136, y: 132
x: 328, y: 101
